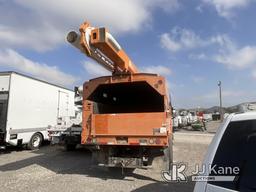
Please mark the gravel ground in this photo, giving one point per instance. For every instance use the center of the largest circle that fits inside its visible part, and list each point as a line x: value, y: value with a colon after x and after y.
x: 53, y: 169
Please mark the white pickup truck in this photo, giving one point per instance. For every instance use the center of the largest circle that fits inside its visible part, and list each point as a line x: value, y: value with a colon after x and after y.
x: 230, y: 162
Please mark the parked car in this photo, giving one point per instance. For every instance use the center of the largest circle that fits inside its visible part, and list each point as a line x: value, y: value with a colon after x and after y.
x: 232, y: 148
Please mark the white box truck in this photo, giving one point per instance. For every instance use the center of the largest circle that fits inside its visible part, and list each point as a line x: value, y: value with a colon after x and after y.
x: 28, y: 106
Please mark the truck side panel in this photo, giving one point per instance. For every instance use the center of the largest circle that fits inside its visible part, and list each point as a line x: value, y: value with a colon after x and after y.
x: 33, y: 106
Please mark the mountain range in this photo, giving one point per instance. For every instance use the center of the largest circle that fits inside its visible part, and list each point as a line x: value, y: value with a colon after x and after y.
x: 216, y: 109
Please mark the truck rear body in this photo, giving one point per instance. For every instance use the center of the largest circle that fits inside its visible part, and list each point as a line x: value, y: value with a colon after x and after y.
x: 126, y: 112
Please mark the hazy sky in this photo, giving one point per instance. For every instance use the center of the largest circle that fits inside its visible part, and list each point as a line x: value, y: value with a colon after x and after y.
x: 192, y: 43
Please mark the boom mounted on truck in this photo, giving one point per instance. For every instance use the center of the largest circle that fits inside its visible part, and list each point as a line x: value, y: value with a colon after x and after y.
x: 126, y: 116
x: 100, y: 45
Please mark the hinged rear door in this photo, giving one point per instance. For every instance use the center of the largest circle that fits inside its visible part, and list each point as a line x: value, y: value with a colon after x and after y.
x: 3, y: 110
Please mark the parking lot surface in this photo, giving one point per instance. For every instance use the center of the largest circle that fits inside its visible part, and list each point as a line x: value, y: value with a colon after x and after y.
x: 53, y: 169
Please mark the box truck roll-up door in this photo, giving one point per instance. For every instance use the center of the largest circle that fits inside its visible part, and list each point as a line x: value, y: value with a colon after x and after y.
x: 3, y: 111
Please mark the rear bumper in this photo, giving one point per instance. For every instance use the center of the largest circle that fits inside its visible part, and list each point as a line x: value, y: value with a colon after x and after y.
x: 124, y: 162
x: 126, y: 157
x: 150, y: 141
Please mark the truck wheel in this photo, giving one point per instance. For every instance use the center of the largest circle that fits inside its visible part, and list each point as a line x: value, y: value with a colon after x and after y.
x: 170, y: 153
x: 163, y: 163
x: 70, y: 147
x: 35, y: 141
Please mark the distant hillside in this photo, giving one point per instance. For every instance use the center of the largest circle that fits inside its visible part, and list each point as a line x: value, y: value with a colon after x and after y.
x: 215, y: 109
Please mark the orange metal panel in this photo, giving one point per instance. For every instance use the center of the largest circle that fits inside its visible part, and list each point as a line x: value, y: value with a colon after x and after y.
x: 132, y: 140
x: 128, y: 124
x: 118, y: 56
x: 156, y: 82
x: 104, y: 128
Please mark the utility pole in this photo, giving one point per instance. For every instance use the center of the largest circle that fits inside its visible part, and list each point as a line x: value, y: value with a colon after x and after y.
x: 221, y: 111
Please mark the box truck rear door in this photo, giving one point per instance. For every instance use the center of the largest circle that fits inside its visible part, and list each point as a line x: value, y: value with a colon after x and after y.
x: 3, y: 111
x: 63, y: 104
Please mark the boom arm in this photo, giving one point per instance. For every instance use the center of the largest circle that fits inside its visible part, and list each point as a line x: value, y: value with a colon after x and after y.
x: 100, y: 45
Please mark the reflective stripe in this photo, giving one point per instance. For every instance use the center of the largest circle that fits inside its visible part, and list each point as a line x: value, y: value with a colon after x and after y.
x: 27, y: 130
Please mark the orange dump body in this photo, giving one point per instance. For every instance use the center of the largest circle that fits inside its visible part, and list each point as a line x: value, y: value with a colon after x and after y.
x: 126, y: 110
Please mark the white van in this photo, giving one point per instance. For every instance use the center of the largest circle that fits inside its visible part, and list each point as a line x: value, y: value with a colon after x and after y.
x: 28, y: 106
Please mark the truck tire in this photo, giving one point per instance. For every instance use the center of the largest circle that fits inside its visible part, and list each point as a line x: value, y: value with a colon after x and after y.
x: 170, y: 154
x: 35, y: 141
x: 163, y: 163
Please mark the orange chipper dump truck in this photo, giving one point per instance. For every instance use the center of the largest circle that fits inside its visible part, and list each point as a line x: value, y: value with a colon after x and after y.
x: 126, y: 116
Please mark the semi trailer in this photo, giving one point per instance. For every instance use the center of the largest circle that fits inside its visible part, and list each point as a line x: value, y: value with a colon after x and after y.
x: 126, y: 117
x: 28, y: 106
